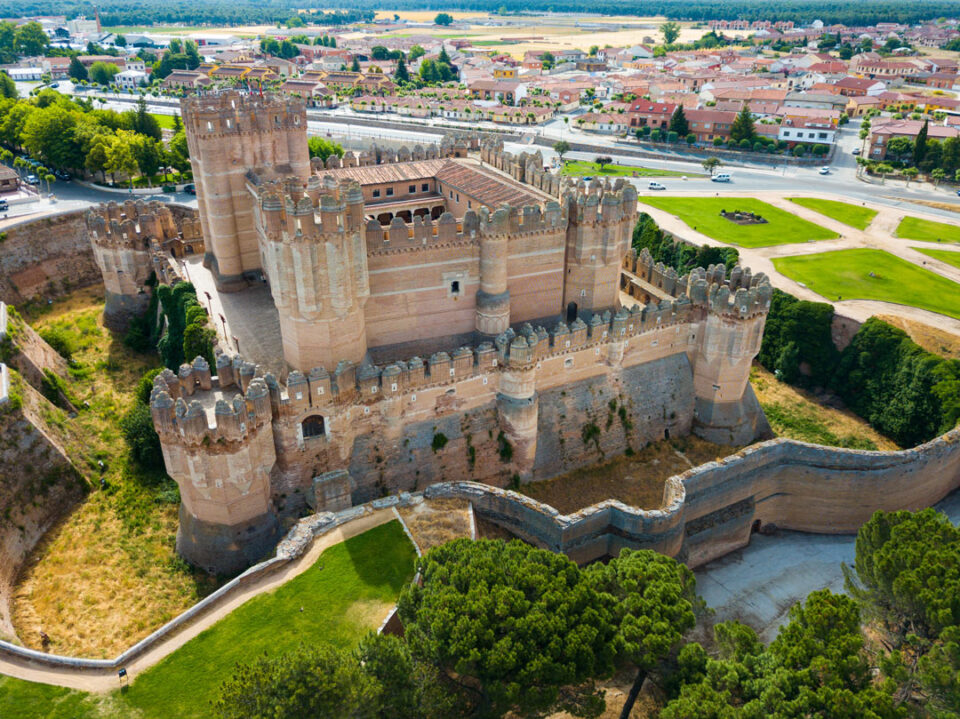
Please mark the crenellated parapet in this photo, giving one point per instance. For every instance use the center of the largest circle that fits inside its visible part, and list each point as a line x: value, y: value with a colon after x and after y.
x: 131, y: 240
x: 527, y: 167
x: 218, y: 114
x: 456, y: 145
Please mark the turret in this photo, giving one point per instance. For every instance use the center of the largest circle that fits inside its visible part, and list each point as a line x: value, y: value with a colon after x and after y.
x: 493, y: 297
x: 221, y: 454
x: 726, y: 409
x: 228, y: 134
x: 315, y: 259
x: 599, y: 230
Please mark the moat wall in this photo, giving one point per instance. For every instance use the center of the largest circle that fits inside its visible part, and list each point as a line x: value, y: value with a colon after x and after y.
x: 712, y: 509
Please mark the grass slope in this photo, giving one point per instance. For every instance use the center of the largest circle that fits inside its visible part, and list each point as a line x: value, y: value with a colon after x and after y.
x: 846, y: 274
x: 950, y: 257
x: 848, y: 214
x: 703, y: 215
x: 165, y: 121
x: 582, y: 168
x: 343, y: 596
x: 913, y: 228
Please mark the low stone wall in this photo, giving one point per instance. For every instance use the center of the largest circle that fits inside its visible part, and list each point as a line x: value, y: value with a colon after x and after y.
x: 294, y: 544
x: 712, y: 509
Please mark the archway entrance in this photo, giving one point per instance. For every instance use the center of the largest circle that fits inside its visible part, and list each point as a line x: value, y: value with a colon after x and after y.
x: 313, y: 426
x: 571, y: 312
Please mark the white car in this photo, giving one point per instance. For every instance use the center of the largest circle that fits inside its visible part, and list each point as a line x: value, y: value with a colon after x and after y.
x: 824, y: 170
x: 656, y: 186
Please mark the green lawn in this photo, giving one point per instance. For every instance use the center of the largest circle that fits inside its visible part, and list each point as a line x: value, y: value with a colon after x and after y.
x: 951, y: 258
x: 343, y: 596
x: 165, y: 121
x: 913, y: 228
x: 853, y: 215
x: 703, y: 215
x: 846, y: 274
x: 580, y: 168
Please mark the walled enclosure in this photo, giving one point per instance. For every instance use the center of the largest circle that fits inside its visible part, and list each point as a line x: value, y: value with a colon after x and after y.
x: 513, y: 250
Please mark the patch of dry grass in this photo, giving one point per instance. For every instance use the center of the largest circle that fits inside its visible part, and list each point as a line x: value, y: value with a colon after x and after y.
x: 108, y: 574
x: 437, y: 521
x: 796, y: 414
x: 932, y: 339
x: 636, y: 481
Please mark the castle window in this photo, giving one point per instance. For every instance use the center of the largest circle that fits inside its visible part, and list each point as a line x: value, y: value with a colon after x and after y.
x: 209, y: 126
x: 229, y: 124
x: 412, y: 189
x: 376, y: 193
x: 455, y: 287
x: 313, y: 426
x: 451, y: 194
x: 568, y: 362
x: 424, y: 187
x: 469, y: 204
x: 389, y: 192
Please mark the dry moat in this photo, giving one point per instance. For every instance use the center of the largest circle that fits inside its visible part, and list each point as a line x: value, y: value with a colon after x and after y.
x: 636, y: 480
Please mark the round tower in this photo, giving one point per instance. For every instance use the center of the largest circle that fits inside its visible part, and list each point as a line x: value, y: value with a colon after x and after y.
x: 493, y: 297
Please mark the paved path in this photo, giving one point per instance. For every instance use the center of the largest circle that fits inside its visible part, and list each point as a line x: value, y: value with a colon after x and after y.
x: 103, y: 681
x: 878, y: 235
x: 759, y: 583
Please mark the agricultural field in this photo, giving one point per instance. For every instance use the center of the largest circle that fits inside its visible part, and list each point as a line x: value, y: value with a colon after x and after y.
x: 845, y: 212
x: 913, y: 228
x: 864, y: 274
x: 948, y: 256
x: 703, y: 215
x: 344, y: 595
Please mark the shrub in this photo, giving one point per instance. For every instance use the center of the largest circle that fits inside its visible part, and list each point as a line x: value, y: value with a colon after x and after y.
x: 61, y: 341
x: 141, y: 437
x: 439, y: 441
x: 799, y: 151
x: 717, y: 141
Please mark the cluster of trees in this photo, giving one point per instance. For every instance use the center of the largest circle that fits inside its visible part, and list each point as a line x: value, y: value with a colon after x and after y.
x: 323, y: 148
x: 681, y: 256
x: 279, y: 48
x: 938, y: 159
x: 494, y: 627
x: 500, y: 629
x: 71, y: 135
x: 903, y: 391
x: 439, y: 70
x: 28, y: 39
x: 178, y: 331
x: 178, y: 56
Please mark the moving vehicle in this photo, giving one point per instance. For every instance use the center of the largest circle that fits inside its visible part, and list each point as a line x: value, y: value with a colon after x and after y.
x: 856, y: 151
x: 190, y: 189
x: 721, y: 177
x: 33, y: 180
x: 62, y: 175
x: 4, y: 205
x: 656, y: 186
x: 824, y: 170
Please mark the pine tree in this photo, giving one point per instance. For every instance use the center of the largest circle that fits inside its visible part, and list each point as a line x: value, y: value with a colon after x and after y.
x: 742, y: 128
x: 355, y: 67
x: 678, y: 122
x: 401, y: 75
x: 76, y: 70
x: 920, y: 145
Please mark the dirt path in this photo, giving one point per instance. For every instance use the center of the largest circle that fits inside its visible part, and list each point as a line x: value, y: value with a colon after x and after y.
x: 878, y: 235
x: 103, y: 681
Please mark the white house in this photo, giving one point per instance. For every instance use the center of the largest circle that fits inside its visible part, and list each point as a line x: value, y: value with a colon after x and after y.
x: 814, y: 133
x: 130, y: 79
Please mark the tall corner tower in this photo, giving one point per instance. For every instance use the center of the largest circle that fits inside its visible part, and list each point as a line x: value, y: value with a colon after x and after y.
x: 599, y: 229
x: 229, y: 134
x: 726, y: 410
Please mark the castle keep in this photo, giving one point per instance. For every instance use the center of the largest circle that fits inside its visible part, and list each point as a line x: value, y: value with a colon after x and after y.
x: 442, y: 316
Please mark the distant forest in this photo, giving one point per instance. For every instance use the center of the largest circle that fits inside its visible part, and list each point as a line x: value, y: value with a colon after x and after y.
x: 245, y: 12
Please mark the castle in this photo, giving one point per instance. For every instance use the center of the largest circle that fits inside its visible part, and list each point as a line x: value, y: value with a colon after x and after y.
x: 442, y: 317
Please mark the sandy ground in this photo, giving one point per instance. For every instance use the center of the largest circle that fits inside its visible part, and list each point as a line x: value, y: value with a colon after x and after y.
x: 437, y: 521
x: 878, y: 235
x: 96, y: 681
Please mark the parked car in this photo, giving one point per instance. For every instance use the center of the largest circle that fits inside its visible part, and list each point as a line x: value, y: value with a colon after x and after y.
x: 190, y: 189
x: 856, y: 151
x: 33, y: 180
x: 62, y: 175
x: 824, y: 170
x: 721, y: 177
x: 656, y: 186
x: 4, y: 205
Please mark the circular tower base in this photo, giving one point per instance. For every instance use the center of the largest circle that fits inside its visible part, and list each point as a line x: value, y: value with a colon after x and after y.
x: 226, y: 549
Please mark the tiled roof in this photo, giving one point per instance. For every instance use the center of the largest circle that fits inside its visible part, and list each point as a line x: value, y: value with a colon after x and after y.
x: 389, y: 172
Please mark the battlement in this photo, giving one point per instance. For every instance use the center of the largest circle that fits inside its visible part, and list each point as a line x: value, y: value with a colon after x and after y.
x: 134, y: 224
x: 450, y: 146
x: 742, y: 295
x: 291, y: 210
x: 232, y: 113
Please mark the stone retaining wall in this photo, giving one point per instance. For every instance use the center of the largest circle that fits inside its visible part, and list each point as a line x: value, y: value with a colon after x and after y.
x: 712, y: 509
